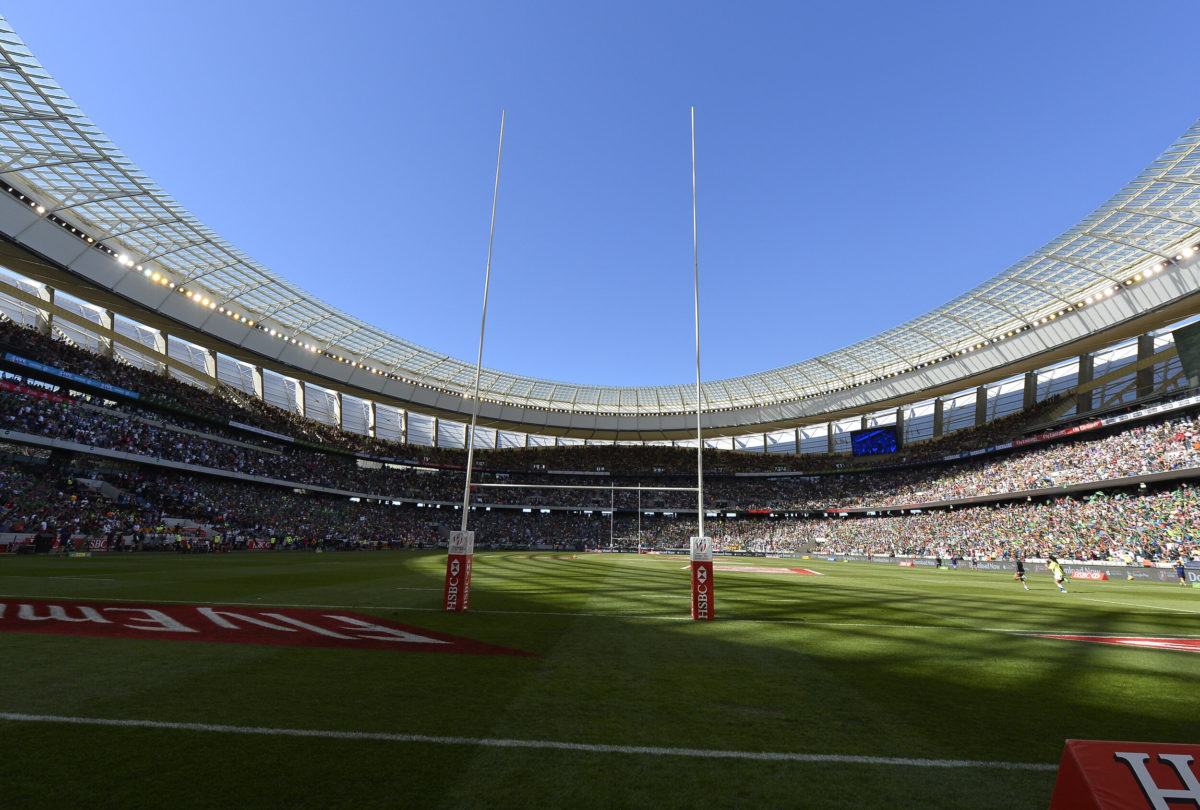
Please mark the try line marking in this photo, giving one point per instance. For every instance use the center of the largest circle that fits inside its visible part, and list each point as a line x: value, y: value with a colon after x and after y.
x: 1134, y: 604
x: 487, y: 742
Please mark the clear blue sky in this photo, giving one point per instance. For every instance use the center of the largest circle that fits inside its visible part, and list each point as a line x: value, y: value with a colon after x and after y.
x: 859, y: 163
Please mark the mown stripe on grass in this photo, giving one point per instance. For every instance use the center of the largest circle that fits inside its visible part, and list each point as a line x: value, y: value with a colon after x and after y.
x: 484, y: 742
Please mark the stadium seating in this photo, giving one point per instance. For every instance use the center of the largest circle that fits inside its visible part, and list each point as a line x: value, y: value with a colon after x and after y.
x: 175, y: 453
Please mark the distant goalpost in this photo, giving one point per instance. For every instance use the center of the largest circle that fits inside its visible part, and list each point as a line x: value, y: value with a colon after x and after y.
x: 461, y: 545
x: 611, y: 489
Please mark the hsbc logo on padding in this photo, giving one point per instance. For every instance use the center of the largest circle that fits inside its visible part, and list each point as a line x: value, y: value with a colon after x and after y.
x: 1157, y: 794
x: 1109, y: 775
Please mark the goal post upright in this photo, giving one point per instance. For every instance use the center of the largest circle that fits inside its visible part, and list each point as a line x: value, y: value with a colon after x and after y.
x: 460, y: 550
x: 701, y: 545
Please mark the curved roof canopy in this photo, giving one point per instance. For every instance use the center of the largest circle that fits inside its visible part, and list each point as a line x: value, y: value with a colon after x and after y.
x: 52, y: 152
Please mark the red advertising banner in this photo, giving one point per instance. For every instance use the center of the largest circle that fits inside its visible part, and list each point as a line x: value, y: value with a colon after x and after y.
x: 1058, y: 434
x: 703, y: 608
x: 1105, y: 775
x: 458, y: 572
x: 33, y: 392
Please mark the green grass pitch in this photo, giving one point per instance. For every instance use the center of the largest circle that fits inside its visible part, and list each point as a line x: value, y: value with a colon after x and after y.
x: 869, y: 671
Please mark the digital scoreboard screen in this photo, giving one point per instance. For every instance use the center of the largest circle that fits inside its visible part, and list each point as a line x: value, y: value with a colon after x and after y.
x: 874, y: 441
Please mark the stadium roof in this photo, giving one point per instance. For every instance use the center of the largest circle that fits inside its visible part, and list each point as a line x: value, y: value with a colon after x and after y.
x: 77, y: 179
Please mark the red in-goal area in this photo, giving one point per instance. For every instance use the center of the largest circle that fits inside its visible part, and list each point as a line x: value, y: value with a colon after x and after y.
x: 297, y: 627
x: 1184, y: 644
x: 764, y: 569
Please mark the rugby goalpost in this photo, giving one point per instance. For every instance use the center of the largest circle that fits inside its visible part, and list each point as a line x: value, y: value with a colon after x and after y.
x: 461, y: 545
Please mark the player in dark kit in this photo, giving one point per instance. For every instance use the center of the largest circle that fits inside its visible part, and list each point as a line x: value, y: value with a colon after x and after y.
x: 1021, y: 573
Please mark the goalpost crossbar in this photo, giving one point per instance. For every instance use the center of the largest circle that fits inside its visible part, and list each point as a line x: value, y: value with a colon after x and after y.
x: 586, y: 486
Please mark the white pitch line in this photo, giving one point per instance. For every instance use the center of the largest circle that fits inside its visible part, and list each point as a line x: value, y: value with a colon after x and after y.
x: 487, y: 742
x: 56, y: 576
x: 1135, y: 604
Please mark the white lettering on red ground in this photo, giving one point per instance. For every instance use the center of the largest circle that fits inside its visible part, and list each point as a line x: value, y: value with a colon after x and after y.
x: 1155, y: 793
x: 702, y: 578
x: 158, y: 621
x: 701, y: 591
x: 233, y: 625
x: 58, y: 613
x: 382, y: 633
x: 1109, y: 775
x: 460, y: 553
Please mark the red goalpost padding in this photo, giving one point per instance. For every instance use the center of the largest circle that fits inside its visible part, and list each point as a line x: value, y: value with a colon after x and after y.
x: 702, y: 579
x: 1105, y: 775
x: 461, y: 552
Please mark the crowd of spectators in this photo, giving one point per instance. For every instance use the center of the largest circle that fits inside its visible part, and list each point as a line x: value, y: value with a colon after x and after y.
x: 1166, y: 445
x: 1121, y: 528
x: 193, y: 429
x: 1118, y: 528
x: 224, y: 404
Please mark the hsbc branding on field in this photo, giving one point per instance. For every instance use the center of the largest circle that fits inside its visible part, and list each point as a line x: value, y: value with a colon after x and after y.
x: 232, y: 625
